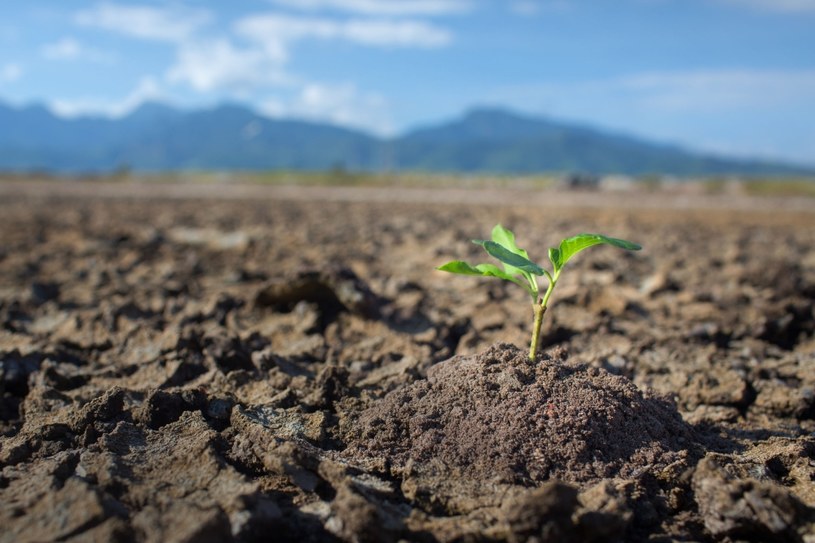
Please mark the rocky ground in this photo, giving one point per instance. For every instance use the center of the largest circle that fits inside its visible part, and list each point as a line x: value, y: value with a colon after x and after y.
x: 212, y: 363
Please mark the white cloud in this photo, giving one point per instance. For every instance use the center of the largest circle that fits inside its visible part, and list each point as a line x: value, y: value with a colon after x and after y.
x: 341, y: 104
x: 529, y: 8
x: 383, y: 7
x: 172, y: 23
x: 64, y: 49
x: 220, y: 64
x: 69, y: 48
x: 695, y: 91
x: 217, y: 64
x: 782, y: 6
x: 525, y: 7
x: 396, y: 33
x: 147, y: 89
x: 10, y: 73
x: 719, y: 89
x: 277, y: 30
x: 252, y: 57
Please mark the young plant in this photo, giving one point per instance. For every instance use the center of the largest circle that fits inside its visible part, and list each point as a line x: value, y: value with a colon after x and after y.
x: 518, y: 269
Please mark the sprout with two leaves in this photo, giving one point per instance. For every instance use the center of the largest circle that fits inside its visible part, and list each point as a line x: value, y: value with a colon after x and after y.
x: 518, y: 269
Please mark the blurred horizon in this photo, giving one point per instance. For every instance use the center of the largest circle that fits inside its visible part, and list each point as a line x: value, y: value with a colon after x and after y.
x: 728, y: 77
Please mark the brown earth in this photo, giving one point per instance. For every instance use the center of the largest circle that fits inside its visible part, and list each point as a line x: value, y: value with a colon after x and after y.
x: 235, y: 362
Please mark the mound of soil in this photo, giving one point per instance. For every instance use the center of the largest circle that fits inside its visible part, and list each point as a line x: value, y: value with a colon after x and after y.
x: 500, y: 414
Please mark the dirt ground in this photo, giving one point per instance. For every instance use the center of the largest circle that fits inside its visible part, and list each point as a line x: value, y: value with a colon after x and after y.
x: 194, y: 363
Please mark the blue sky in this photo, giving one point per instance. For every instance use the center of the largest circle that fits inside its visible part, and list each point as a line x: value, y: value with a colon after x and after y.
x: 730, y: 76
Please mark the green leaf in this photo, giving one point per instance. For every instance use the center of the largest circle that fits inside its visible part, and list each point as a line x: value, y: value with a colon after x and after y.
x: 482, y: 270
x: 554, y: 258
x: 498, y: 251
x: 573, y: 245
x: 506, y: 238
x: 491, y: 270
x: 461, y: 267
x: 495, y: 271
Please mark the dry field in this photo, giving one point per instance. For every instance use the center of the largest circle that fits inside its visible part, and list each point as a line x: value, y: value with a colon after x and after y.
x: 217, y: 362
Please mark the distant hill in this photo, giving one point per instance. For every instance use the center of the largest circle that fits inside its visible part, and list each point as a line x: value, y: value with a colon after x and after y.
x: 157, y: 137
x: 498, y: 140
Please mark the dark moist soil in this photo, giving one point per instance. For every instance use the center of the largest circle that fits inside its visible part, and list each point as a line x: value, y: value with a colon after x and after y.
x: 499, y: 415
x: 248, y: 363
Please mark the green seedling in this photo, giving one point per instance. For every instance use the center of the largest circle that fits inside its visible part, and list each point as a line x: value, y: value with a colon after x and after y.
x: 518, y: 269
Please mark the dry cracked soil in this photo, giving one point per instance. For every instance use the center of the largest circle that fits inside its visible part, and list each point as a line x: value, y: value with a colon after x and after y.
x: 223, y: 363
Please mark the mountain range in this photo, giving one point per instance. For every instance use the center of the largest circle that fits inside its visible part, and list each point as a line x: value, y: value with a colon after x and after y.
x: 157, y: 137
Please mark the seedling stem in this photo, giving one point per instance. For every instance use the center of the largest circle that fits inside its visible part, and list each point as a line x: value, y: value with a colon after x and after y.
x: 539, y: 309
